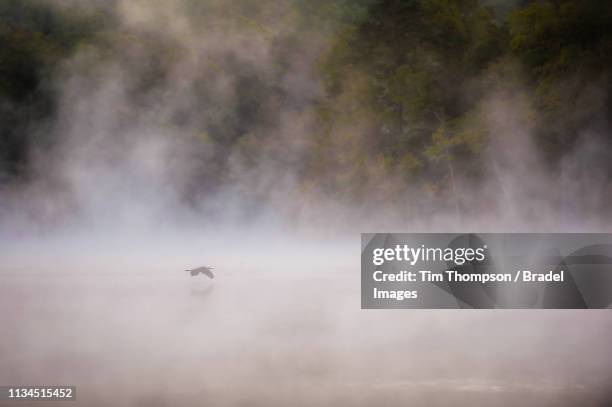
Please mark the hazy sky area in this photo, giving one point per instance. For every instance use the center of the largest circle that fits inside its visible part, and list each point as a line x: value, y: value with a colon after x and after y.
x: 142, y: 138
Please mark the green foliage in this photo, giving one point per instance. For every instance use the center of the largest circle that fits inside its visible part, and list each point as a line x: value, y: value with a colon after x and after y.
x: 422, y: 68
x: 567, y: 47
x: 403, y: 81
x: 416, y: 61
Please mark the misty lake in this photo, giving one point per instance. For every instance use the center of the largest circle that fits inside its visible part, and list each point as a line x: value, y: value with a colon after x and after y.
x: 143, y: 338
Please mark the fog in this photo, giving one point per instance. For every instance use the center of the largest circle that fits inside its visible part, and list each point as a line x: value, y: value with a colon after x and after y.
x: 94, y: 243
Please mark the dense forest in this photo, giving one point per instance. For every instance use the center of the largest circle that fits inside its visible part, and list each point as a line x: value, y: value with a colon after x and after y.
x: 397, y: 101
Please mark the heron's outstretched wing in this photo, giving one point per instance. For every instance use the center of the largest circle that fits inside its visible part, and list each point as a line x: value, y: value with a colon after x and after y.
x: 208, y: 272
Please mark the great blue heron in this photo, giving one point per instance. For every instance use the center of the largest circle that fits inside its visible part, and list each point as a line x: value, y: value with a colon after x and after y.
x: 204, y: 270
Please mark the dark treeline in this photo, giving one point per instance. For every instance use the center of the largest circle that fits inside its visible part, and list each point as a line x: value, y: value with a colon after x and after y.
x: 422, y: 72
x: 406, y: 84
x: 34, y: 39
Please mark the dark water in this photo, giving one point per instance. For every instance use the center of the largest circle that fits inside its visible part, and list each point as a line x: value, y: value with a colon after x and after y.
x: 281, y: 338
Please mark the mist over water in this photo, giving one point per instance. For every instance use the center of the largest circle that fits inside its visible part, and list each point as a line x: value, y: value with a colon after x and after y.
x: 95, y: 240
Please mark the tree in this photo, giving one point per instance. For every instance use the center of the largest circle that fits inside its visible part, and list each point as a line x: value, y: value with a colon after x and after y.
x: 411, y: 65
x: 567, y: 47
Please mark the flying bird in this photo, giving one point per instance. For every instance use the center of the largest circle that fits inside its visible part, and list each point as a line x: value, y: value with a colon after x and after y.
x: 204, y: 270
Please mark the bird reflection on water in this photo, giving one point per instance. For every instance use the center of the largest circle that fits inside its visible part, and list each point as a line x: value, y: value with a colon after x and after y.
x: 201, y: 288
